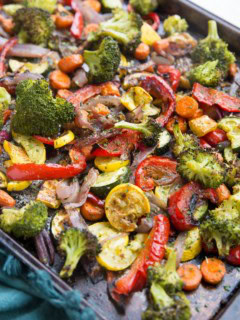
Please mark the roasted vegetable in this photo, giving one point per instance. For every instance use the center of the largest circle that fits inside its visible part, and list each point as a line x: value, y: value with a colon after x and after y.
x: 223, y: 224
x: 104, y: 62
x: 26, y: 222
x: 144, y: 7
x: 175, y: 24
x: 150, y: 130
x: 48, y: 5
x: 231, y: 125
x: 37, y: 112
x: 123, y: 27
x: 207, y: 74
x: 110, y: 5
x: 213, y: 48
x: 202, y: 125
x: 5, y: 100
x: 75, y: 243
x: 201, y: 166
x: 33, y: 25
x: 183, y: 142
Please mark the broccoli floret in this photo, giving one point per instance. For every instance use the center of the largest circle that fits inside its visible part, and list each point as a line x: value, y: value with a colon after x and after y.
x: 223, y: 224
x: 49, y: 5
x: 26, y: 222
x: 110, y: 5
x: 166, y: 299
x: 183, y: 142
x: 124, y: 27
x: 232, y: 173
x: 213, y: 48
x: 104, y: 62
x: 37, y: 112
x: 175, y: 24
x: 5, y: 100
x: 201, y: 166
x: 33, y: 25
x: 150, y: 130
x: 75, y: 243
x: 144, y: 7
x: 207, y: 74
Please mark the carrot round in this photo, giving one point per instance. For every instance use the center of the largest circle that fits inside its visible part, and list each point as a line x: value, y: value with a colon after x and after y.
x: 190, y: 275
x: 213, y: 270
x: 197, y: 114
x: 223, y: 193
x: 94, y: 4
x: 161, y: 45
x: 59, y: 80
x: 186, y: 107
x: 91, y: 211
x: 142, y: 51
x: 70, y: 63
x: 91, y: 27
x: 182, y: 124
x: 63, y: 21
x: 6, y: 200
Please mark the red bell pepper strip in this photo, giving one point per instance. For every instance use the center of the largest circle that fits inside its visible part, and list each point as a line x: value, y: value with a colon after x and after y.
x: 179, y: 206
x: 155, y: 19
x: 33, y: 171
x: 215, y: 137
x: 45, y: 140
x: 155, y: 168
x: 99, y: 152
x: 83, y: 94
x: 204, y: 144
x: 154, y: 251
x: 172, y: 74
x: 5, y: 49
x: 211, y: 96
x: 234, y: 256
x: 77, y: 25
x: 95, y: 200
x: 159, y: 88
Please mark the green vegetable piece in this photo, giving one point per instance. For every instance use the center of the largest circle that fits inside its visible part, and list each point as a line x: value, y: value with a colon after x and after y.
x: 207, y: 74
x: 104, y: 62
x: 183, y: 142
x: 48, y: 5
x: 37, y: 112
x: 74, y: 243
x: 33, y: 25
x: 110, y: 5
x: 144, y: 7
x: 26, y: 222
x: 11, y: 9
x: 175, y: 24
x: 5, y: 100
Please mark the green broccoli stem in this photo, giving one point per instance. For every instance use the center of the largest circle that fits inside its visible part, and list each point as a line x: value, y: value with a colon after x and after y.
x: 72, y: 259
x: 160, y: 297
x: 212, y: 30
x: 178, y: 134
x: 140, y: 127
x: 171, y: 263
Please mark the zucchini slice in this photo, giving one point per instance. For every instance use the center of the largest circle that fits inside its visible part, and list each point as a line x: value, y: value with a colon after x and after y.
x: 108, y: 180
x: 163, y: 142
x: 231, y: 125
x: 59, y: 222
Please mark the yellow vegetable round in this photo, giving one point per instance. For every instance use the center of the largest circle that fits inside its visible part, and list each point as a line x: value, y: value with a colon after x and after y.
x: 64, y: 139
x: 18, y: 185
x: 193, y: 245
x: 108, y: 164
x: 124, y: 205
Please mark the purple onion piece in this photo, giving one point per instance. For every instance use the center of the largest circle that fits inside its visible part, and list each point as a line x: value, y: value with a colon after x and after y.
x: 49, y: 245
x: 4, y: 135
x: 41, y: 249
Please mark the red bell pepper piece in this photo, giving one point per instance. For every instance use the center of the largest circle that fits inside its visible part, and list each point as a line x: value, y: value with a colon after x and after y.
x: 99, y: 152
x: 211, y: 96
x: 155, y: 19
x: 33, y: 171
x: 153, y: 168
x: 76, y: 156
x: 204, y: 144
x: 215, y: 137
x: 209, y: 248
x: 172, y: 74
x: 179, y: 206
x: 234, y: 256
x: 6, y: 115
x: 83, y: 94
x: 45, y: 140
x: 77, y: 25
x: 95, y: 200
x: 4, y: 51
x: 159, y: 88
x: 154, y: 251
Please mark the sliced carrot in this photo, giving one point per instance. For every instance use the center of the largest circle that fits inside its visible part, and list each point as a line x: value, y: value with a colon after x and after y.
x: 91, y: 27
x: 222, y: 193
x: 101, y: 109
x: 91, y: 211
x: 6, y: 115
x: 142, y: 51
x: 190, y: 275
x: 70, y: 63
x: 94, y: 4
x: 64, y: 93
x: 233, y: 69
x: 213, y: 270
x: 186, y: 107
x: 182, y: 124
x: 197, y: 114
x: 109, y: 89
x: 59, y: 80
x: 63, y: 21
x: 6, y: 200
x: 161, y: 45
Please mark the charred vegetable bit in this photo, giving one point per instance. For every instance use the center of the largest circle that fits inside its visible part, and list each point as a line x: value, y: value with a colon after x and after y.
x: 213, y: 48
x: 104, y: 62
x: 37, y: 112
x: 149, y: 129
x: 123, y: 27
x: 33, y: 25
x: 175, y: 24
x: 201, y: 166
x: 223, y: 224
x: 26, y: 222
x: 75, y: 243
x: 183, y: 142
x: 144, y: 7
x: 167, y: 301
